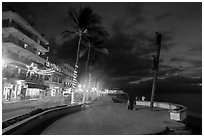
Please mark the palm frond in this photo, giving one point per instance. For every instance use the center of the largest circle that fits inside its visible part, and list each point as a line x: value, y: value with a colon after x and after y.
x: 97, y: 31
x: 68, y: 33
x: 88, y: 18
x: 94, y: 19
x: 103, y: 50
x: 73, y: 15
x: 82, y: 52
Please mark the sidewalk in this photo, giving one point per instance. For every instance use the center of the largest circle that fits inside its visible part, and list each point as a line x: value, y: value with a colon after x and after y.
x: 13, y: 109
x: 103, y: 117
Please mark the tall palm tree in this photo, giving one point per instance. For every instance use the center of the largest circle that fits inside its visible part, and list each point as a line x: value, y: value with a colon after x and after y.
x: 97, y: 35
x: 82, y: 21
x: 100, y: 35
x: 156, y: 67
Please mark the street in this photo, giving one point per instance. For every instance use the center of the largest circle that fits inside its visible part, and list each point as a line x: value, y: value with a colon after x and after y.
x: 10, y: 110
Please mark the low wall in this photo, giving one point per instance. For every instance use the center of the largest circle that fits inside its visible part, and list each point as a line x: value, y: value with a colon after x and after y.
x: 26, y: 125
x: 177, y: 112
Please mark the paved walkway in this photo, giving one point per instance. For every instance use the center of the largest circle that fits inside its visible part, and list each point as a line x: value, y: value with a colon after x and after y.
x: 103, y: 117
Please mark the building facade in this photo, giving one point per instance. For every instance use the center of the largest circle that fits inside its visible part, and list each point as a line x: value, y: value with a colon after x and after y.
x: 54, y: 81
x: 23, y: 59
x: 26, y: 71
x: 68, y: 72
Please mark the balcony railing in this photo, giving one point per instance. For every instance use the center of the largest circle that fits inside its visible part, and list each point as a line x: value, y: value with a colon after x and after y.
x: 16, y: 57
x: 6, y: 23
x: 24, y: 45
x: 19, y: 42
x: 10, y: 72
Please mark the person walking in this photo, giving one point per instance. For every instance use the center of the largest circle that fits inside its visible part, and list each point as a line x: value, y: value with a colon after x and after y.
x: 128, y: 104
x: 135, y: 102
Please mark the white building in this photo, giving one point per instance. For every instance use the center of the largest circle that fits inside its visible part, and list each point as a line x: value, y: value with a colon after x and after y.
x: 24, y: 57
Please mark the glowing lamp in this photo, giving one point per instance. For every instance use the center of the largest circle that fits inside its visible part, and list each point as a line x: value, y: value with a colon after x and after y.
x: 79, y: 86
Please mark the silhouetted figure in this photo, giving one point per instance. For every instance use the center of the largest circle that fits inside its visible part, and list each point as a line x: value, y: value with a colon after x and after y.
x: 128, y: 104
x: 143, y: 98
x: 131, y: 102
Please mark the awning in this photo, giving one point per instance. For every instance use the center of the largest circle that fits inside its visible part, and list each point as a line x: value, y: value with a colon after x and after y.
x: 33, y: 85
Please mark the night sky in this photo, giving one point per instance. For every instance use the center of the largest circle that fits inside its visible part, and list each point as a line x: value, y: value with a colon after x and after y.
x: 131, y: 43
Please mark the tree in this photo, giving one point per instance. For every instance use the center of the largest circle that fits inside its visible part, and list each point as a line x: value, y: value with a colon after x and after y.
x: 97, y: 35
x: 82, y: 21
x: 156, y: 67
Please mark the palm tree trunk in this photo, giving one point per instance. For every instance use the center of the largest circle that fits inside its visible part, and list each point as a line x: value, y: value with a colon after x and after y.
x: 78, y: 49
x: 86, y: 73
x: 75, y: 69
x: 156, y: 68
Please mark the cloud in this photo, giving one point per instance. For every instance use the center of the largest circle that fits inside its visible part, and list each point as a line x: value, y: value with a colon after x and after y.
x: 135, y: 11
x: 131, y: 53
x: 193, y: 62
x: 141, y: 80
x: 172, y: 84
x: 122, y: 54
x: 163, y: 16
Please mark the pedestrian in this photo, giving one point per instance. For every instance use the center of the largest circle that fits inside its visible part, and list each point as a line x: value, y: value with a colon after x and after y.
x: 143, y: 98
x: 10, y: 92
x: 128, y: 104
x: 135, y: 102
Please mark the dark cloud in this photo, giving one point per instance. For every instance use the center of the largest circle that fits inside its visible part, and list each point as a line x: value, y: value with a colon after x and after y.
x: 134, y: 49
x: 173, y: 84
x: 164, y: 71
x: 175, y: 59
x: 135, y: 11
x: 128, y: 49
x: 198, y: 48
x: 193, y: 62
x: 22, y: 8
x: 163, y: 16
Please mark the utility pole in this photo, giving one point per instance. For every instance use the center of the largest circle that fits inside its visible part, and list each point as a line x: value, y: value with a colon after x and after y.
x: 155, y: 67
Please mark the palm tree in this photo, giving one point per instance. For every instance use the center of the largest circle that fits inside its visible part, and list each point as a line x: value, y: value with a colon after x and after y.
x: 99, y: 36
x: 82, y: 21
x: 156, y: 68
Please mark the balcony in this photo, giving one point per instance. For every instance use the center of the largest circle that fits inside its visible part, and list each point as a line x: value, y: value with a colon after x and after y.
x: 20, y: 47
x: 12, y: 73
x: 19, y: 31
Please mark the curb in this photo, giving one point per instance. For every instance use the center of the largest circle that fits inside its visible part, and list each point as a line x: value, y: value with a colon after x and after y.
x: 26, y: 125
